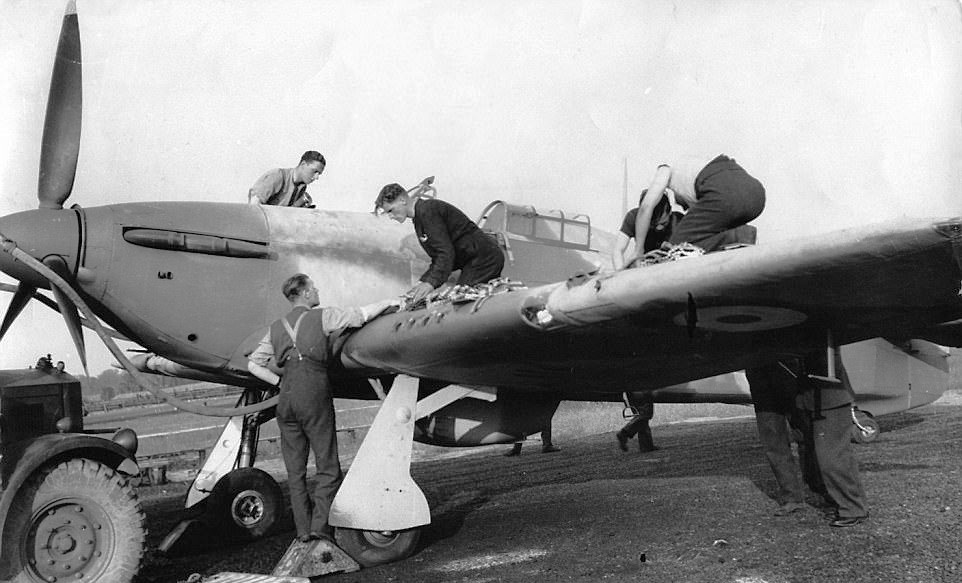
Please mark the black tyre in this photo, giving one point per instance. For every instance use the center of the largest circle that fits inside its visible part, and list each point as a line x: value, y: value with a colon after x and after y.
x: 245, y: 504
x: 370, y: 548
x: 871, y: 428
x: 76, y: 521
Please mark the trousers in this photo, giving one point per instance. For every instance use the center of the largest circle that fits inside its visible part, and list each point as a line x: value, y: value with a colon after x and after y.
x: 728, y: 197
x: 828, y: 436
x: 485, y: 265
x: 305, y: 417
x: 772, y: 392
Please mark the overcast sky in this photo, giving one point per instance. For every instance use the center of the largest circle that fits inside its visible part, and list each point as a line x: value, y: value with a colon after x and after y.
x: 849, y: 112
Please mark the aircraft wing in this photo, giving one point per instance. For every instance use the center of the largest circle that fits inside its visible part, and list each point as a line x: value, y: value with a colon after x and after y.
x: 886, y: 378
x: 675, y: 322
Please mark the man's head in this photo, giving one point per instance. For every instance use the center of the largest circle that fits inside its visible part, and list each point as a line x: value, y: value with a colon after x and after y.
x: 299, y: 290
x: 393, y: 200
x: 310, y: 167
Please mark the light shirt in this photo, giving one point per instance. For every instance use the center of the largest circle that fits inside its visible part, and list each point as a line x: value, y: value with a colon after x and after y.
x: 684, y: 171
x: 277, y: 187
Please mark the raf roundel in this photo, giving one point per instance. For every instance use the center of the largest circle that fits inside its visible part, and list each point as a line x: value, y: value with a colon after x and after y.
x: 744, y: 318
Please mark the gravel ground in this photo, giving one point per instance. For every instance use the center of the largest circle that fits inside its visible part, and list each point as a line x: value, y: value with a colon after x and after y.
x: 699, y: 509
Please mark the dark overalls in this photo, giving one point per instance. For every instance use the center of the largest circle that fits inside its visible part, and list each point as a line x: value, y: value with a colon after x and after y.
x: 828, y: 454
x: 773, y: 392
x: 726, y: 197
x: 305, y: 417
x: 453, y: 241
x: 638, y: 425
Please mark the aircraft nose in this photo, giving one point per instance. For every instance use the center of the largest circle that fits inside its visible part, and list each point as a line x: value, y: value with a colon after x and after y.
x: 41, y: 233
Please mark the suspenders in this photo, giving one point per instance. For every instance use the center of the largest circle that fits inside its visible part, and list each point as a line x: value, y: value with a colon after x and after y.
x: 292, y: 332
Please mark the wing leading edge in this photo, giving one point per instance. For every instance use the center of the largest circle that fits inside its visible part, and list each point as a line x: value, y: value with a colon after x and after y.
x: 676, y: 322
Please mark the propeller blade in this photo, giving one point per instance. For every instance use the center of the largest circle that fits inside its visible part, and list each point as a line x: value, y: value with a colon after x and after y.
x: 61, y: 131
x: 6, y: 287
x: 20, y: 298
x: 72, y: 317
x: 69, y: 311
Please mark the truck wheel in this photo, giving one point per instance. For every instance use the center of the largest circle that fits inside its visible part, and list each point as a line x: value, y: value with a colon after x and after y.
x: 76, y: 521
x: 370, y: 547
x: 244, y: 504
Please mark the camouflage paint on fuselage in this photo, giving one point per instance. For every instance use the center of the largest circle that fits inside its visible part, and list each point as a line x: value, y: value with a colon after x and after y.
x: 192, y: 297
x: 205, y: 309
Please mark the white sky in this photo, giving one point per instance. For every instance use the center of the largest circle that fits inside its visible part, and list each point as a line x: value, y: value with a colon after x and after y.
x: 848, y: 112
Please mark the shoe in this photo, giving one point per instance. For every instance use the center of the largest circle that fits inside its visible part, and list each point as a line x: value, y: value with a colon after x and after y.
x: 516, y: 450
x: 847, y: 521
x: 550, y: 448
x: 326, y: 531
x: 648, y: 449
x: 789, y: 508
x: 305, y: 538
x: 622, y: 440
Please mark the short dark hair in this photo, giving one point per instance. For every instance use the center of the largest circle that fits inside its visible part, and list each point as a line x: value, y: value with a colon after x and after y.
x: 312, y: 156
x: 389, y: 193
x: 294, y: 285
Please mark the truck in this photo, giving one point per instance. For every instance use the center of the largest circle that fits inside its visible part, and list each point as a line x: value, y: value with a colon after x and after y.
x: 68, y: 507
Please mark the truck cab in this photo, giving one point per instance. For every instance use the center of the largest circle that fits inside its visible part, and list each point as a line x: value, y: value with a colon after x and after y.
x: 67, y: 507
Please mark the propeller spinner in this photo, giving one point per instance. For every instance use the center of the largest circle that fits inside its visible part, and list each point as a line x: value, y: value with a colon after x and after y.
x: 51, y: 234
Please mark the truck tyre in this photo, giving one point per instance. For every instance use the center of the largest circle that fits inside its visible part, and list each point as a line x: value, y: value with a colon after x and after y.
x: 76, y: 521
x: 370, y: 548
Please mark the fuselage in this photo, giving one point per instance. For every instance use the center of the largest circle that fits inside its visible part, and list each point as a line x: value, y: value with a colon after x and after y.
x: 199, y: 282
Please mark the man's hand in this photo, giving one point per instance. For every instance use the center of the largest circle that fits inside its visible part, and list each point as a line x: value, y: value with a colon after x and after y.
x: 420, y: 291
x: 385, y: 305
x: 374, y: 310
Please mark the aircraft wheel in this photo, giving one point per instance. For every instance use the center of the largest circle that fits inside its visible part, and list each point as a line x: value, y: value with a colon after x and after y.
x: 245, y: 503
x: 370, y: 547
x: 76, y: 521
x: 871, y: 431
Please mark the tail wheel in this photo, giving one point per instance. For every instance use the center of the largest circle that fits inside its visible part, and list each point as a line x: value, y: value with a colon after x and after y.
x: 865, y: 429
x: 77, y: 521
x: 372, y: 547
x: 245, y: 504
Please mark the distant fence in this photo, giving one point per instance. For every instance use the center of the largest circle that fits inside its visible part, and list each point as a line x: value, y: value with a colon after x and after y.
x: 184, y: 392
x: 154, y: 467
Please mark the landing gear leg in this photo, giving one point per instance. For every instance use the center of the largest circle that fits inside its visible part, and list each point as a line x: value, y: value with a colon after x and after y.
x: 379, y: 507
x: 865, y: 429
x: 228, y: 490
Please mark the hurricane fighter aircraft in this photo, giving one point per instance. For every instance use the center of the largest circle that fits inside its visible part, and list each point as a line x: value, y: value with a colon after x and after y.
x: 196, y: 284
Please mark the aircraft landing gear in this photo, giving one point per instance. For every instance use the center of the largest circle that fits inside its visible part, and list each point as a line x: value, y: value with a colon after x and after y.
x: 370, y: 547
x: 245, y: 503
x: 865, y: 429
x: 379, y: 509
